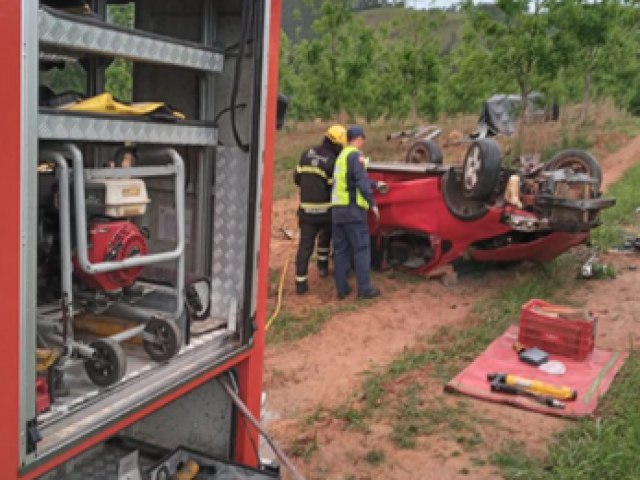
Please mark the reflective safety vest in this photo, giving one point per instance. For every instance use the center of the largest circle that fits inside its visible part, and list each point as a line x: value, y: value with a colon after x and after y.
x: 340, y: 194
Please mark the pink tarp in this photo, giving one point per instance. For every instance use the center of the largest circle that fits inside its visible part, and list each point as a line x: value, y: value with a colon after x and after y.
x: 591, y: 377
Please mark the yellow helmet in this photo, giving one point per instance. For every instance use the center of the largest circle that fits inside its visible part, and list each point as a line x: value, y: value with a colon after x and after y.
x: 337, y: 134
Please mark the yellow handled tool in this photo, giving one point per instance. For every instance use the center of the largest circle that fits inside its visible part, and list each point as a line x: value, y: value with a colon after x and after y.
x: 534, y: 386
x: 189, y: 471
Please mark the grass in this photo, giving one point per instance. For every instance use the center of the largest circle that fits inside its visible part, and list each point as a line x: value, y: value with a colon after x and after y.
x: 567, y: 141
x: 283, y: 184
x: 628, y: 126
x: 374, y: 457
x: 290, y: 327
x: 304, y: 448
x: 606, y: 448
x: 416, y: 416
x: 622, y: 215
x: 352, y: 416
x: 445, y: 351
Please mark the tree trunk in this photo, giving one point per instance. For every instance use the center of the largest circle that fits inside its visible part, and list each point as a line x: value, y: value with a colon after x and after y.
x: 524, y: 95
x: 414, y: 104
x: 586, y: 95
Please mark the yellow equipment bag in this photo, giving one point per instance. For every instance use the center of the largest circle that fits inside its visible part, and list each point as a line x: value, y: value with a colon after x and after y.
x: 105, y: 103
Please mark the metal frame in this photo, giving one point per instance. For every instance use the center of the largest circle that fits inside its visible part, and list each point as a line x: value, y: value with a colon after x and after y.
x: 62, y: 173
x: 58, y: 29
x: 80, y: 174
x: 98, y: 409
x: 20, y: 38
x: 267, y: 54
x: 28, y: 212
x: 87, y: 128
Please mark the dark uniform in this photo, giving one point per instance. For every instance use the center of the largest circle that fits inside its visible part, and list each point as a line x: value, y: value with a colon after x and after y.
x: 314, y: 175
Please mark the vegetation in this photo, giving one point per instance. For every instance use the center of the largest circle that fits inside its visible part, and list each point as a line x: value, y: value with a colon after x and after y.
x: 401, y: 62
x: 589, y: 450
x: 622, y: 215
x: 290, y: 326
x: 444, y: 353
x: 72, y: 77
x: 606, y: 448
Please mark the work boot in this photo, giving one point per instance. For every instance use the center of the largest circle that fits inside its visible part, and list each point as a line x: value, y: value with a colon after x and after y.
x: 323, y: 270
x: 302, y: 287
x: 371, y: 293
x: 342, y: 296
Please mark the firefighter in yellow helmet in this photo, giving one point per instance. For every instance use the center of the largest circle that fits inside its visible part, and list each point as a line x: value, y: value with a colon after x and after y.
x: 314, y: 176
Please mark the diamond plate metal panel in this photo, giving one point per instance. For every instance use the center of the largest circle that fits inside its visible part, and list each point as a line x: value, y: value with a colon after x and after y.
x: 230, y: 224
x: 92, y: 129
x: 72, y: 33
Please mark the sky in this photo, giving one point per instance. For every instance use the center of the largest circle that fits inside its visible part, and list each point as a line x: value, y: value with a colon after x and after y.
x: 429, y: 3
x: 433, y: 3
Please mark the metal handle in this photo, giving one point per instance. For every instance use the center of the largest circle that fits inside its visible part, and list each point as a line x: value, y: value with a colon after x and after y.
x: 176, y: 169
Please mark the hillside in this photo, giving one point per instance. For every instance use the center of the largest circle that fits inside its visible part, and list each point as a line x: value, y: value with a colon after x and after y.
x: 448, y: 25
x: 297, y: 18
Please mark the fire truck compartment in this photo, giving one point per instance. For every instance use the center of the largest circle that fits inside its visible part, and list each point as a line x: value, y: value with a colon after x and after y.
x: 147, y: 227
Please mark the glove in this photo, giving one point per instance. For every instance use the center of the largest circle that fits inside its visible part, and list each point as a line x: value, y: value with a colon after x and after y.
x: 382, y: 187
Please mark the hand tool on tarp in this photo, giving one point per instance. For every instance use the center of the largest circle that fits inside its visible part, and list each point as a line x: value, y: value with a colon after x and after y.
x: 544, y: 400
x: 545, y: 393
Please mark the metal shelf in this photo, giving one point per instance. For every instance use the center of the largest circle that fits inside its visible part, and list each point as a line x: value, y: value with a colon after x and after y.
x: 86, y: 128
x: 78, y: 33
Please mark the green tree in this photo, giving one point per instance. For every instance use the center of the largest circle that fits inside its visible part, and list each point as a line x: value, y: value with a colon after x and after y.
x: 119, y: 75
x: 589, y: 34
x: 419, y: 64
x: 471, y: 75
x: 517, y: 41
x: 335, y: 65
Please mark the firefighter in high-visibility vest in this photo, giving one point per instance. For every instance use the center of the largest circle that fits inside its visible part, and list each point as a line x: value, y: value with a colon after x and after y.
x: 351, y: 199
x: 314, y: 176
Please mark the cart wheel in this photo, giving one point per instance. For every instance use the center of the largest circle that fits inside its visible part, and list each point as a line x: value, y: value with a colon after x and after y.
x: 481, y: 169
x: 166, y: 339
x: 424, y: 151
x: 108, y: 363
x: 577, y: 161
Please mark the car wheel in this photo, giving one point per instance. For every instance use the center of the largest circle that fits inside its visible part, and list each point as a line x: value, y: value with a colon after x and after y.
x: 424, y: 151
x: 460, y: 206
x: 481, y: 169
x: 577, y: 161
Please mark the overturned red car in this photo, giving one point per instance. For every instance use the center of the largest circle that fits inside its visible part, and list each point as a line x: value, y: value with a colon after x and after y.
x: 432, y: 214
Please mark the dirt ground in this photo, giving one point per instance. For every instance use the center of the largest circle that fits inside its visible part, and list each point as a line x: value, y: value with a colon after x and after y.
x: 321, y: 372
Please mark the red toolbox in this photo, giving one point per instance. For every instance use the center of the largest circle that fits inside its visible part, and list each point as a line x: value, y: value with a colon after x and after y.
x: 557, y: 329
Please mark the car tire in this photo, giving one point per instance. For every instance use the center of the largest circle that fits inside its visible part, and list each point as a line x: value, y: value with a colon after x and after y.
x: 578, y: 161
x: 481, y: 169
x: 460, y: 206
x: 424, y: 151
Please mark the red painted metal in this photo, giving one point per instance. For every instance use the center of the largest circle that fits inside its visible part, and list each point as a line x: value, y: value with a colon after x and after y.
x: 113, y: 242
x: 134, y: 417
x: 542, y: 250
x: 249, y: 363
x: 43, y: 400
x: 414, y: 203
x: 250, y: 371
x: 10, y: 129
